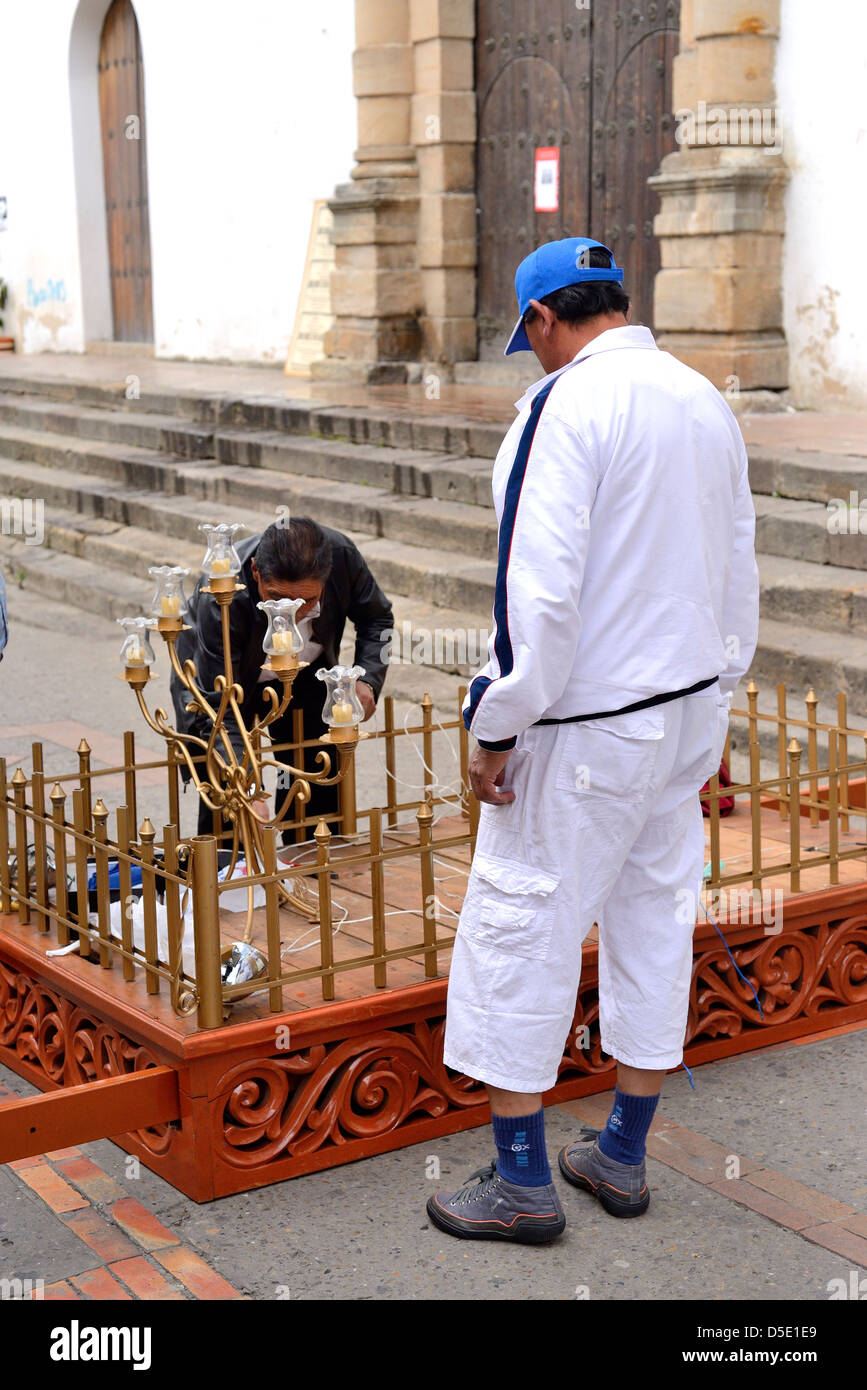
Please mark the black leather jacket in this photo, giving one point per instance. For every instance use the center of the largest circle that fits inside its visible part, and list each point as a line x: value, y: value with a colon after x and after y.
x: 349, y: 592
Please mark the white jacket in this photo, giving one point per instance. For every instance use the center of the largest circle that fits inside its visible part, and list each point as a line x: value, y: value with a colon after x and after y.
x: 626, y: 542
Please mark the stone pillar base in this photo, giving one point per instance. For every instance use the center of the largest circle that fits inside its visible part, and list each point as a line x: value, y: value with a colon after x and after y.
x: 717, y: 298
x: 733, y: 361
x: 376, y: 288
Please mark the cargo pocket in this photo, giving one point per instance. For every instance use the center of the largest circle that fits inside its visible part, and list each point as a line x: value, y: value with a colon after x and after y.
x: 611, y: 758
x: 510, y: 907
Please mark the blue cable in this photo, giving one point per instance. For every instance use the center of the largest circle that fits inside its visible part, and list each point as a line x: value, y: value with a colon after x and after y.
x: 733, y: 961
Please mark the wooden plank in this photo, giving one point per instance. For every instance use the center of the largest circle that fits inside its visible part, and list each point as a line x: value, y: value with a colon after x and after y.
x: 79, y: 1114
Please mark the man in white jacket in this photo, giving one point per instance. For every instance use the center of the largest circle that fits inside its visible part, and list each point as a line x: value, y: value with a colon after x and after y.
x: 625, y: 613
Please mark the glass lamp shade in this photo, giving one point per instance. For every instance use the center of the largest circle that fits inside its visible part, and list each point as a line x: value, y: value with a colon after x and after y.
x: 221, y: 558
x: 343, y: 708
x: 169, y: 600
x: 136, y: 650
x: 282, y: 637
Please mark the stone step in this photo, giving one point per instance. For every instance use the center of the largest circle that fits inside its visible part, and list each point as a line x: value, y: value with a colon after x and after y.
x: 456, y: 526
x: 128, y: 463
x: 165, y: 433
x: 398, y: 427
x: 799, y: 530
x: 823, y: 596
x: 802, y: 657
x: 127, y: 392
x: 809, y: 477
x: 448, y: 477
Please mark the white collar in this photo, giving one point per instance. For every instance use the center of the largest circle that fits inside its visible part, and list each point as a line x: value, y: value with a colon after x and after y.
x: 626, y: 337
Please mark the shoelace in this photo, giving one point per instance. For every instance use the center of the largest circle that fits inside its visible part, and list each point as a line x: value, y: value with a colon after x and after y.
x: 588, y: 1133
x: 487, y: 1176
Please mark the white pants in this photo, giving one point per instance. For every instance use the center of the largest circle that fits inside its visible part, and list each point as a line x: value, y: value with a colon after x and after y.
x: 606, y: 827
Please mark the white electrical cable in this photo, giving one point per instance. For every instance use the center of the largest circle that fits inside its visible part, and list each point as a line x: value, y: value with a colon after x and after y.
x: 440, y: 789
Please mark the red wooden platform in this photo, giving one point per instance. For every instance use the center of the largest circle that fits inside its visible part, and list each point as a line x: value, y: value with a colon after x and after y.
x: 270, y: 1096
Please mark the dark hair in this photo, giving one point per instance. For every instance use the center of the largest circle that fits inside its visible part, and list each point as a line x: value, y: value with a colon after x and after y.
x: 296, y: 549
x: 577, y: 303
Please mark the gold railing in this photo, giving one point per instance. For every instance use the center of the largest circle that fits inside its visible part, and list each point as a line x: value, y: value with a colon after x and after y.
x: 821, y: 791
x: 55, y: 856
x: 177, y: 893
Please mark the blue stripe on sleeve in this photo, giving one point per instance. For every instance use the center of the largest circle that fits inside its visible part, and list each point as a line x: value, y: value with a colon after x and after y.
x: 502, y: 641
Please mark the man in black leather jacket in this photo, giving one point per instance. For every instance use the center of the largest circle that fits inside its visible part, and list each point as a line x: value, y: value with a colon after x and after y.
x: 291, y: 559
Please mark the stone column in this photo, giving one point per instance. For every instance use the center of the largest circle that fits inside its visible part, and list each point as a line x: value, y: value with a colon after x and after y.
x: 444, y: 135
x: 376, y: 286
x: 718, y: 296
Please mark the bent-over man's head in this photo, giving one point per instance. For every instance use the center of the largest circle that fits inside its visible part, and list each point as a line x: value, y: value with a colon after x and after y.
x: 293, y: 560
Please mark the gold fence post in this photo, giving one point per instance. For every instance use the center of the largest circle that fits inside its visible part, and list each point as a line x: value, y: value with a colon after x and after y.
x: 782, y: 732
x: 715, y: 861
x: 390, y: 762
x: 37, y: 798
x: 795, y: 817
x: 427, y: 742
x: 173, y: 911
x: 377, y: 896
x: 174, y: 790
x: 833, y: 840
x: 58, y: 830
x: 84, y: 783
x: 124, y: 871
x: 5, y: 894
x: 100, y: 835
x: 206, y: 929
x: 81, y: 889
x: 296, y: 755
x: 272, y: 916
x: 813, y: 755
x: 424, y: 816
x: 843, y: 757
x: 22, y: 876
x: 147, y: 834
x: 322, y: 836
x: 129, y: 775
x: 756, y: 813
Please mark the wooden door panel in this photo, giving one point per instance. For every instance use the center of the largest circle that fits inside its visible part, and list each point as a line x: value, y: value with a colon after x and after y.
x: 121, y: 94
x: 596, y: 84
x: 633, y: 130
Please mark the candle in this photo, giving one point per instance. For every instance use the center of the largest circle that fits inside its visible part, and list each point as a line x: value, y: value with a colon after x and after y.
x: 221, y: 564
x: 342, y: 712
x: 170, y: 605
x: 282, y: 641
x: 135, y: 656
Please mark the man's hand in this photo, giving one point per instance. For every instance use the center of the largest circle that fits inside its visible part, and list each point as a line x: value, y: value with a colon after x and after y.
x: 487, y: 770
x: 367, y: 697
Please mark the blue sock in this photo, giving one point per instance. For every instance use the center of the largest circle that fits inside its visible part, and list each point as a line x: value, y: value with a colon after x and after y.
x: 521, y: 1155
x: 624, y: 1135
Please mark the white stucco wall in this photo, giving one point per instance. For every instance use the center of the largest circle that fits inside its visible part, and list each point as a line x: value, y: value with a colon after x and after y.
x: 821, y: 86
x: 249, y: 118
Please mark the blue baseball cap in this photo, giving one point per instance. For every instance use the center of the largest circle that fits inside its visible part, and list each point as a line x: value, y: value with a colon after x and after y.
x: 551, y: 267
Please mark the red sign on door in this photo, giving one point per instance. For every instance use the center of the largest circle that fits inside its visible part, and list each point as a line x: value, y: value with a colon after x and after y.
x: 547, y: 180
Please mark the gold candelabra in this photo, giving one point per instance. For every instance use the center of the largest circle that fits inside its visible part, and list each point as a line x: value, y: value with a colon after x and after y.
x: 227, y: 783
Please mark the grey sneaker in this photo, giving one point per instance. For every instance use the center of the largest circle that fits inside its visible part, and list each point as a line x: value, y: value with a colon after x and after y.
x: 620, y: 1187
x: 496, y: 1209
